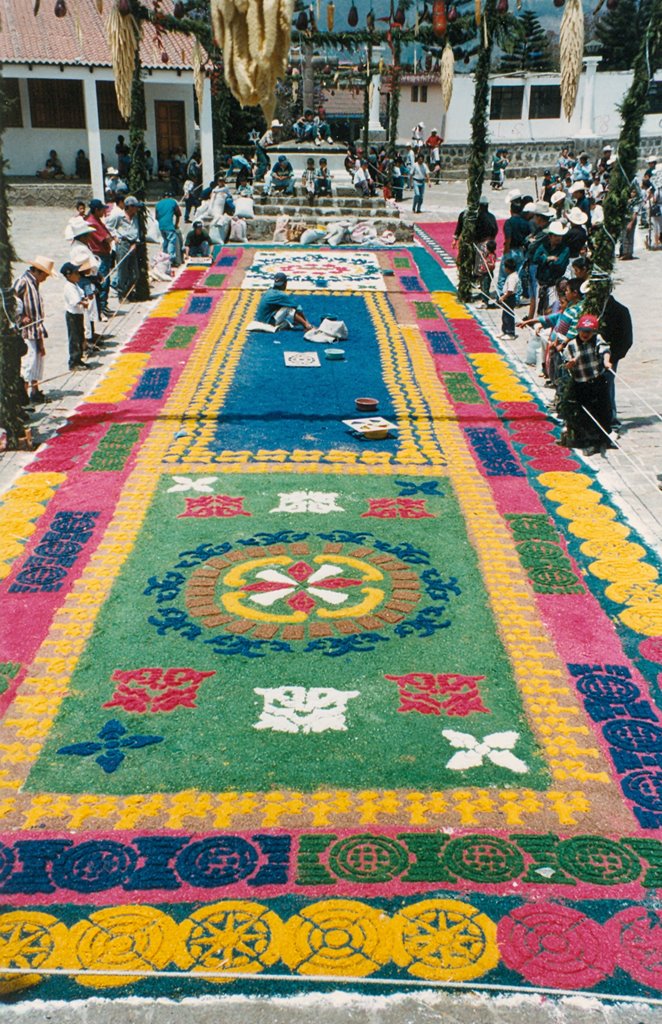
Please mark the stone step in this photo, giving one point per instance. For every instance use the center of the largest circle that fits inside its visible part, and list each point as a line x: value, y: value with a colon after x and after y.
x: 262, y: 228
x: 328, y: 210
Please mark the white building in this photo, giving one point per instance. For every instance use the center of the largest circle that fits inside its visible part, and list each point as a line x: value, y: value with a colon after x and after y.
x: 525, y: 108
x: 58, y: 72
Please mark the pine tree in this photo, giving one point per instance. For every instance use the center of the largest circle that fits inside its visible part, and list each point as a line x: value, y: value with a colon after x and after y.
x: 619, y: 31
x: 531, y: 51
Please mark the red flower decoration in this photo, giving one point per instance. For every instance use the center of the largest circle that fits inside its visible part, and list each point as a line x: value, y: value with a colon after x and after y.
x: 636, y: 935
x: 651, y: 648
x: 555, y: 946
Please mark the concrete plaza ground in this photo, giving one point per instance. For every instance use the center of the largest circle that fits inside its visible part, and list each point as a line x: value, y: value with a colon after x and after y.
x: 632, y: 474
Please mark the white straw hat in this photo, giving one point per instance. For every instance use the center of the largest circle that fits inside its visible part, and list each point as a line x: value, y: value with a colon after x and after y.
x: 577, y: 186
x: 557, y: 227
x: 44, y: 264
x: 557, y: 197
x: 576, y: 216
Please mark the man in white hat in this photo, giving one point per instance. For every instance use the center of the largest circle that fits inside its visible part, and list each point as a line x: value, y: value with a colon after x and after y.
x: 31, y: 321
x: 541, y: 214
x: 417, y: 135
x: 577, y: 235
x: 551, y: 258
x: 265, y: 142
x: 80, y: 231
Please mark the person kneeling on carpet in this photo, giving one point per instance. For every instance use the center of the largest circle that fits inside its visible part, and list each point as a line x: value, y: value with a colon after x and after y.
x: 280, y: 310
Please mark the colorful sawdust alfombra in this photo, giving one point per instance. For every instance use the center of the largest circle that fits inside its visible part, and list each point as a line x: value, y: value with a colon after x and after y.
x: 283, y: 699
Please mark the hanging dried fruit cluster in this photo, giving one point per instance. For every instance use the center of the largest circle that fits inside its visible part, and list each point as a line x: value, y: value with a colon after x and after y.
x: 571, y: 46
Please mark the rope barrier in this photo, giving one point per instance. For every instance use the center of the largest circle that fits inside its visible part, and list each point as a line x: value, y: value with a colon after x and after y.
x: 335, y: 979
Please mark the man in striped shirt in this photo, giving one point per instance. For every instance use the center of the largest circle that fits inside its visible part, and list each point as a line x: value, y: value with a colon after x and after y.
x: 31, y: 321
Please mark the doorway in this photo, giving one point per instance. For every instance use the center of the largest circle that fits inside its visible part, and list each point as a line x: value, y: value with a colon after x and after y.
x: 170, y: 118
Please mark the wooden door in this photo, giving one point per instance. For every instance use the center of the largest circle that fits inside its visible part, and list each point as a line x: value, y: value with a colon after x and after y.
x: 170, y: 116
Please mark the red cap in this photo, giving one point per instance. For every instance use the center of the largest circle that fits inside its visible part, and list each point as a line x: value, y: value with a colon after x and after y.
x: 588, y: 322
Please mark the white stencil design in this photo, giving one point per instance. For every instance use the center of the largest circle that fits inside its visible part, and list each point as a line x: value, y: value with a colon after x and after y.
x: 308, y: 501
x: 497, y: 748
x: 297, y: 709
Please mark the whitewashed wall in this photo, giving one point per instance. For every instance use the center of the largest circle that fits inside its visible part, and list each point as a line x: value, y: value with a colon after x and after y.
x: 26, y: 148
x: 602, y: 120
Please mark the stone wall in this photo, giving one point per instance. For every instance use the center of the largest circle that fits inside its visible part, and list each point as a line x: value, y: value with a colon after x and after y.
x: 535, y: 157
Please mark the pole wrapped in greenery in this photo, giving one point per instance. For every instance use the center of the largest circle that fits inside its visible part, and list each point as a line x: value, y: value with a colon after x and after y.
x: 394, y: 106
x: 12, y: 346
x: 478, y: 155
x: 615, y: 204
x: 138, y: 176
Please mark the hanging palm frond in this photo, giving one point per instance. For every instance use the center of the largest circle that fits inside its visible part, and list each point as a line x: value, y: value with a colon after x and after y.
x: 198, y: 61
x: 571, y: 46
x: 447, y: 73
x: 254, y: 36
x: 124, y: 39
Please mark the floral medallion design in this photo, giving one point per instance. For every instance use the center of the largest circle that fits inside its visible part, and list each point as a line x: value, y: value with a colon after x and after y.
x: 300, y: 591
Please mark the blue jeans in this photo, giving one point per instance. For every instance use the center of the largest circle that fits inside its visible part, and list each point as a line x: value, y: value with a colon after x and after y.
x: 199, y: 250
x: 105, y: 265
x: 419, y: 192
x: 171, y: 246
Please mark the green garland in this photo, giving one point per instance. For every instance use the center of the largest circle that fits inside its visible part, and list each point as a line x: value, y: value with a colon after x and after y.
x: 394, y: 106
x: 12, y: 417
x: 615, y: 205
x: 478, y: 157
x: 138, y: 176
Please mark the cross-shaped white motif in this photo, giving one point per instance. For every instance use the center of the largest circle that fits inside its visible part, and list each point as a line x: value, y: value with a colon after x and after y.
x: 496, y: 747
x: 297, y: 709
x: 308, y: 501
x: 197, y: 483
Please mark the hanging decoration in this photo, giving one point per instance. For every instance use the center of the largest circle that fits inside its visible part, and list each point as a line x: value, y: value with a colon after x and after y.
x: 571, y: 46
x: 447, y: 72
x: 353, y: 16
x: 198, y: 61
x: 416, y: 24
x: 399, y: 17
x: 255, y: 39
x: 60, y: 9
x: 502, y: 7
x: 370, y: 20
x: 179, y: 10
x: 302, y: 21
x: 559, y: 3
x: 439, y: 18
x: 452, y: 14
x: 330, y: 15
x: 479, y: 13
x: 123, y: 38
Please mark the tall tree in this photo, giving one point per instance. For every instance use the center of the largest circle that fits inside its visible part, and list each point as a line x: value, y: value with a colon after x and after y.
x: 12, y: 416
x: 633, y: 108
x: 619, y: 31
x: 531, y: 51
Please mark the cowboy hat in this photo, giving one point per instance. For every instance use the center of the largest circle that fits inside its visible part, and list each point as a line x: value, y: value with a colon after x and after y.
x: 110, y: 171
x: 607, y: 147
x: 276, y: 123
x: 557, y: 227
x: 44, y: 264
x: 577, y: 186
x: 542, y: 209
x: 79, y: 226
x: 85, y: 265
x: 557, y: 197
x: 576, y: 216
x: 652, y: 159
x: 529, y: 208
x: 514, y: 194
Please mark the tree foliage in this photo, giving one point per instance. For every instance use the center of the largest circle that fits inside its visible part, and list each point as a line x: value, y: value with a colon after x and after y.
x: 531, y: 52
x: 620, y: 31
x: 11, y: 343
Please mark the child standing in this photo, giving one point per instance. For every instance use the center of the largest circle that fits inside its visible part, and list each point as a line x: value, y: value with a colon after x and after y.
x: 75, y: 305
x: 308, y: 178
x: 508, y: 299
x: 489, y: 268
x: 323, y: 179
x: 586, y: 403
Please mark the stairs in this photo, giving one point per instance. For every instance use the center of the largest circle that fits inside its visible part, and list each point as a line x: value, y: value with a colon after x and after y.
x: 345, y: 203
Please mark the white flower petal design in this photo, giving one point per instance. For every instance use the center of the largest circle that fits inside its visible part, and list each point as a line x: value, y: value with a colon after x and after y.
x: 324, y: 573
x: 274, y: 576
x: 270, y: 597
x: 496, y: 747
x: 187, y: 483
x: 330, y: 596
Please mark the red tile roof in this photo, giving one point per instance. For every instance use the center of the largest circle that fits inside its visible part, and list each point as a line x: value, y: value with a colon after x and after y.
x: 79, y: 37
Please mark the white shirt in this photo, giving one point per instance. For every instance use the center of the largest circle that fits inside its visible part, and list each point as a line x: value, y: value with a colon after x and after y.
x: 73, y: 298
x: 511, y: 282
x: 420, y: 172
x: 80, y: 252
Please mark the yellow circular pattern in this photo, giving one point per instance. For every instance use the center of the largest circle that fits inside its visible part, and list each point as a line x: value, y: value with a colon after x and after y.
x: 342, y: 937
x: 122, y: 938
x: 28, y: 939
x: 444, y: 940
x: 234, y: 935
